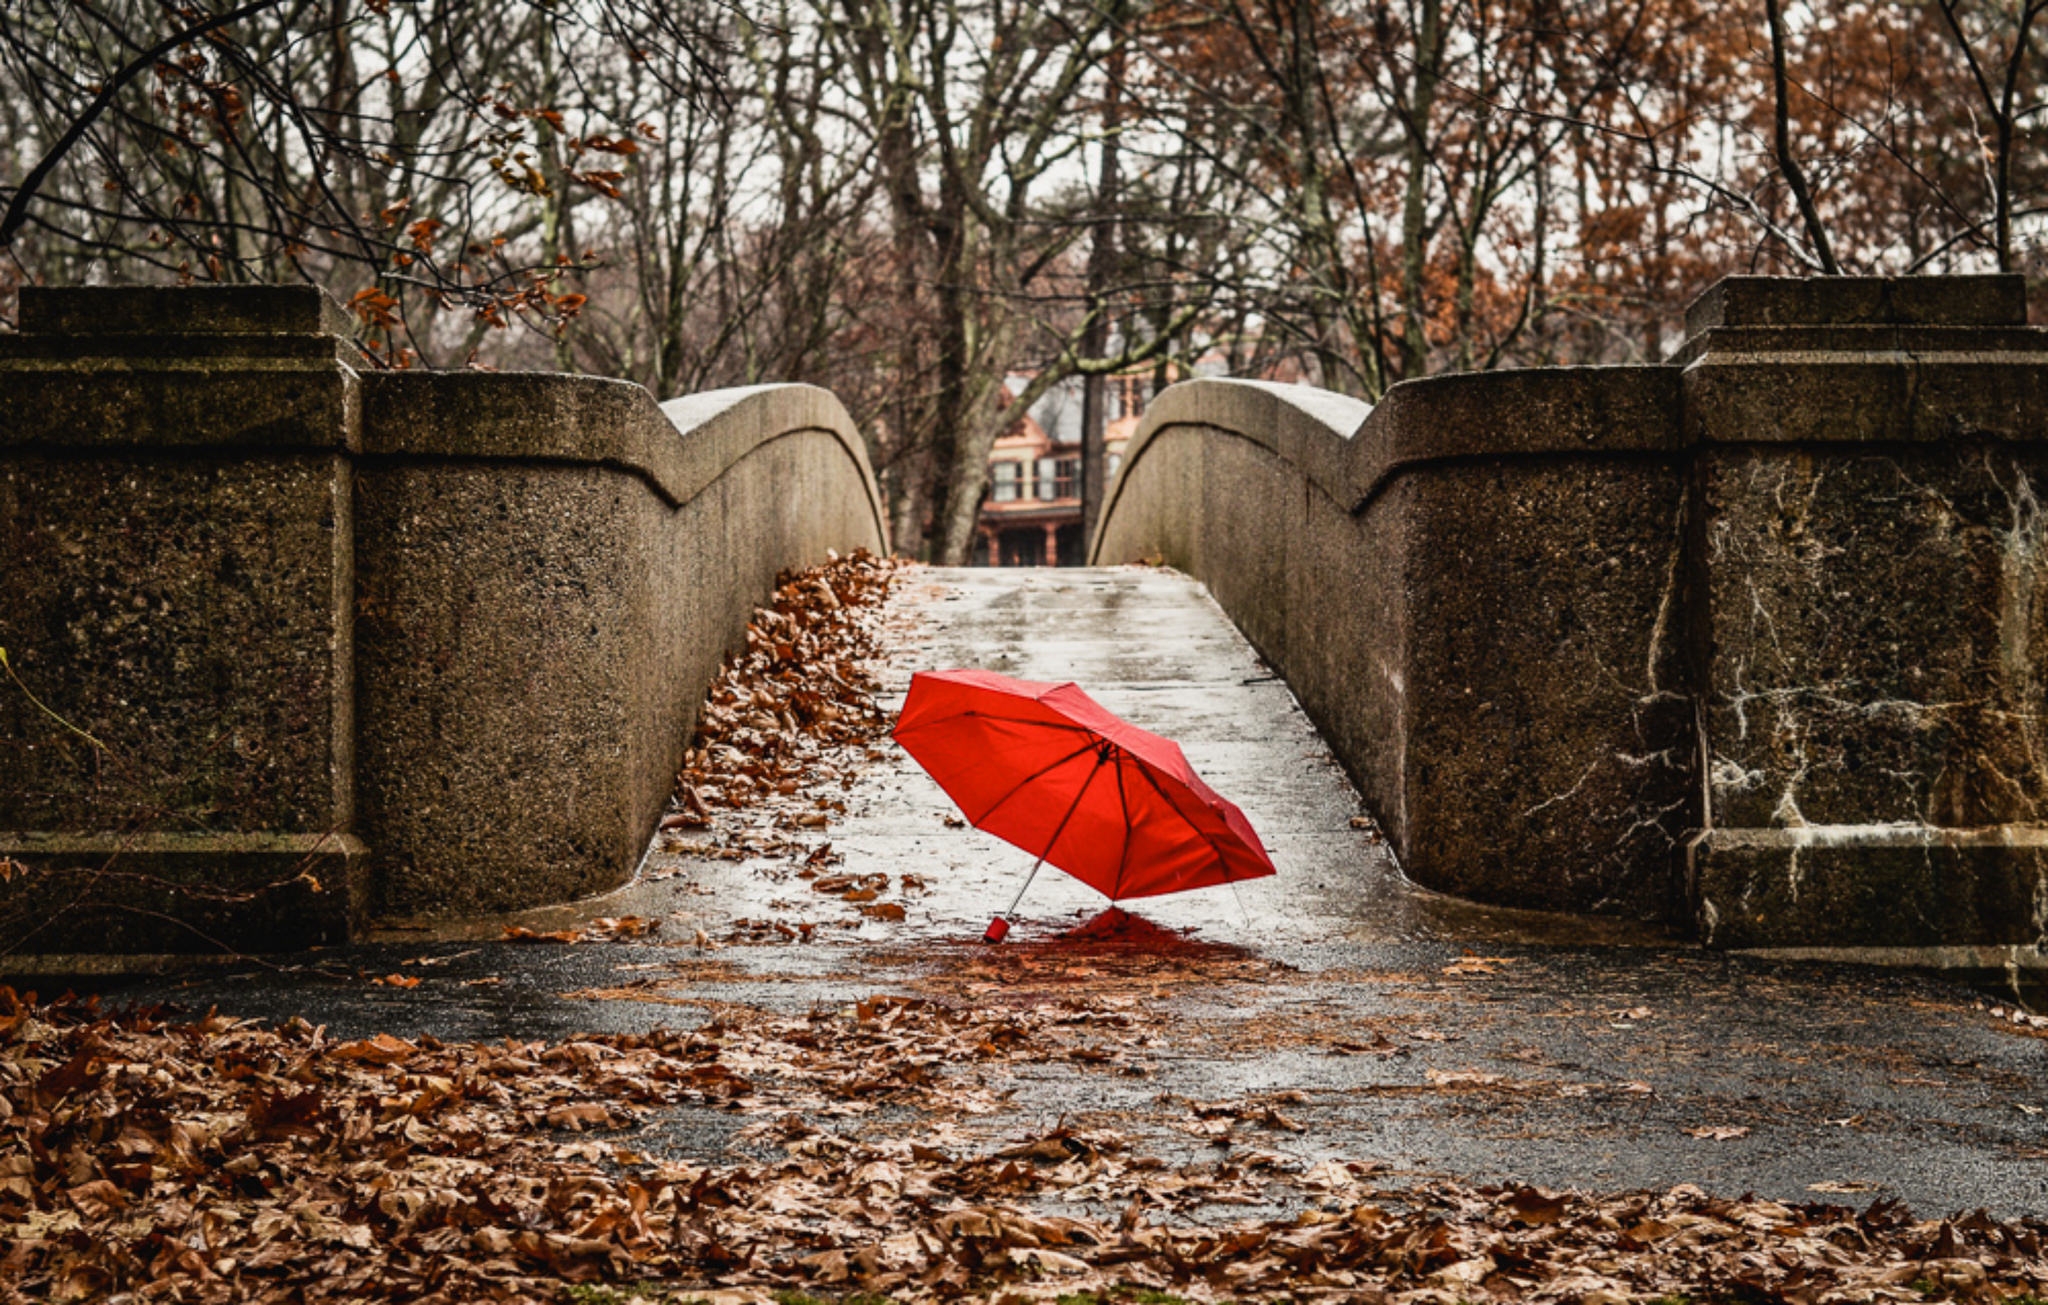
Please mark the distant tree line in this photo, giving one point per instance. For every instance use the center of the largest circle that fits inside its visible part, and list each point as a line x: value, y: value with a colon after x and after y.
x: 910, y: 200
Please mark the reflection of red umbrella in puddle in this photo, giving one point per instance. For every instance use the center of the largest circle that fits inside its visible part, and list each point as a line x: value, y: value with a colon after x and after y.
x: 1045, y: 767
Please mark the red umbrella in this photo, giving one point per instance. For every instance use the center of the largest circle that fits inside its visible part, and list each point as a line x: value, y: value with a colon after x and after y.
x: 1045, y: 767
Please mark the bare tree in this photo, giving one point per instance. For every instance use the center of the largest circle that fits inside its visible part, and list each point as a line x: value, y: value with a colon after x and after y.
x: 944, y: 208
x: 2000, y: 90
x: 401, y: 153
x: 976, y: 106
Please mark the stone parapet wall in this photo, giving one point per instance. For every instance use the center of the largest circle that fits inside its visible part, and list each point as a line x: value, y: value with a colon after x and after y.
x: 550, y: 569
x: 1748, y: 640
x: 318, y: 643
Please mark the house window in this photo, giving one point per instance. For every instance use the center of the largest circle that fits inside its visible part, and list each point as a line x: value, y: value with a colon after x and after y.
x: 1067, y: 478
x: 1048, y: 480
x: 1009, y: 485
x: 1130, y: 396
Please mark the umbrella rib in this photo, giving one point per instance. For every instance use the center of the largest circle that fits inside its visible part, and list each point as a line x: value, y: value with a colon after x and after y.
x: 1022, y: 783
x: 1222, y: 861
x: 1061, y: 828
x: 1123, y: 856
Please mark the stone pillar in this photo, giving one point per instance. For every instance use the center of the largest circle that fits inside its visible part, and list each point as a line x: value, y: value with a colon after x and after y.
x: 1868, y: 611
x: 1052, y: 544
x: 177, y: 516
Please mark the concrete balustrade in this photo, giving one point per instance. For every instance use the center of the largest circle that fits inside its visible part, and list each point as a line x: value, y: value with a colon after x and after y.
x: 1752, y: 639
x: 309, y: 644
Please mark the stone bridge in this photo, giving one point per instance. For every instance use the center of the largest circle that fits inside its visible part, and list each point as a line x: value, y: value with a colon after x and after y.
x: 1749, y: 640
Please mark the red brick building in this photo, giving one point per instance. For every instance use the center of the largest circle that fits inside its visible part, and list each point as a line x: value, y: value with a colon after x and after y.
x: 1031, y: 515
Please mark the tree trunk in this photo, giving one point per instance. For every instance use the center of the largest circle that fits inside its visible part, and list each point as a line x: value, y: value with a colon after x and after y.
x: 1414, y: 203
x: 1102, y: 263
x: 972, y: 421
x: 1788, y: 166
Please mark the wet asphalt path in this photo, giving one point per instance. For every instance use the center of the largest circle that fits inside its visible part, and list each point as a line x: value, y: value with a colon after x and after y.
x: 1400, y: 1028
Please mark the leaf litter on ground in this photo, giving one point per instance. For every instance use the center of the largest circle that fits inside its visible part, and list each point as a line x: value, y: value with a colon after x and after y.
x: 148, y: 1156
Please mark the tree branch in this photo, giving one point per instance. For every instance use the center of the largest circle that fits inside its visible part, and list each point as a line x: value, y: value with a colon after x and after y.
x: 1795, y: 177
x: 17, y: 207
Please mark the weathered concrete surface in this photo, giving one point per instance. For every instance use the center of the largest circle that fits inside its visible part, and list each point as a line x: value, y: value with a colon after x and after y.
x: 544, y: 563
x: 122, y: 573
x: 298, y: 644
x: 1626, y: 639
x: 176, y: 511
x: 1386, y: 1006
x: 1876, y: 761
x: 1891, y: 301
x: 1868, y: 614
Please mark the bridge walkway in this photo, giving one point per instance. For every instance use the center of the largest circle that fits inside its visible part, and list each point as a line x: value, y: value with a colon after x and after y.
x: 1150, y: 645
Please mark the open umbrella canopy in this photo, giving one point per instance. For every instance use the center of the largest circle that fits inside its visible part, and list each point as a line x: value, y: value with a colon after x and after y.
x: 1046, y: 767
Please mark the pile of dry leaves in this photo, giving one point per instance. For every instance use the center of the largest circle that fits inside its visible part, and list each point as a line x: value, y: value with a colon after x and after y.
x: 783, y: 717
x: 783, y: 732
x: 216, y: 1160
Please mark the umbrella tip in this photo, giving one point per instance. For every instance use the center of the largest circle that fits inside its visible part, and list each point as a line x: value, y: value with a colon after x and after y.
x: 998, y: 929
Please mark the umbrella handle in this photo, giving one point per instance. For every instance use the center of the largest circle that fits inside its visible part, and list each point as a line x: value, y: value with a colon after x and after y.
x: 999, y: 928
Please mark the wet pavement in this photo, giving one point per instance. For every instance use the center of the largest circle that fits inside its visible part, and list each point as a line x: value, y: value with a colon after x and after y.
x: 1384, y: 1024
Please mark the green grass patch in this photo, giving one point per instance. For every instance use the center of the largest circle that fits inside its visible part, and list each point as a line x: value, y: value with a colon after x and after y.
x: 1121, y: 1295
x: 639, y: 1293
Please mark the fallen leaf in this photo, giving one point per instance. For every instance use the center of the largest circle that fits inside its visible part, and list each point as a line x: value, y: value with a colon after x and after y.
x: 1458, y: 1078
x: 382, y: 1049
x: 520, y: 933
x: 577, y: 1114
x: 1533, y: 1206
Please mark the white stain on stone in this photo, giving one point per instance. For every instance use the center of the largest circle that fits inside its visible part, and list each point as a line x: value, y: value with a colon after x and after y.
x: 2021, y: 554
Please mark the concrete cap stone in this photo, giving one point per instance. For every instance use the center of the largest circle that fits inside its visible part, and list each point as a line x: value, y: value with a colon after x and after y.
x: 1989, y: 300
x: 182, y: 310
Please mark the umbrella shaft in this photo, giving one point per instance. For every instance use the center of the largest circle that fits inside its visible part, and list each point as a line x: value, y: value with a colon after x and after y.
x: 1026, y: 885
x: 1060, y: 829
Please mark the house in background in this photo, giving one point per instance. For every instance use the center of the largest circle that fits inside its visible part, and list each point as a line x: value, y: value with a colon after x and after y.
x: 1031, y: 515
